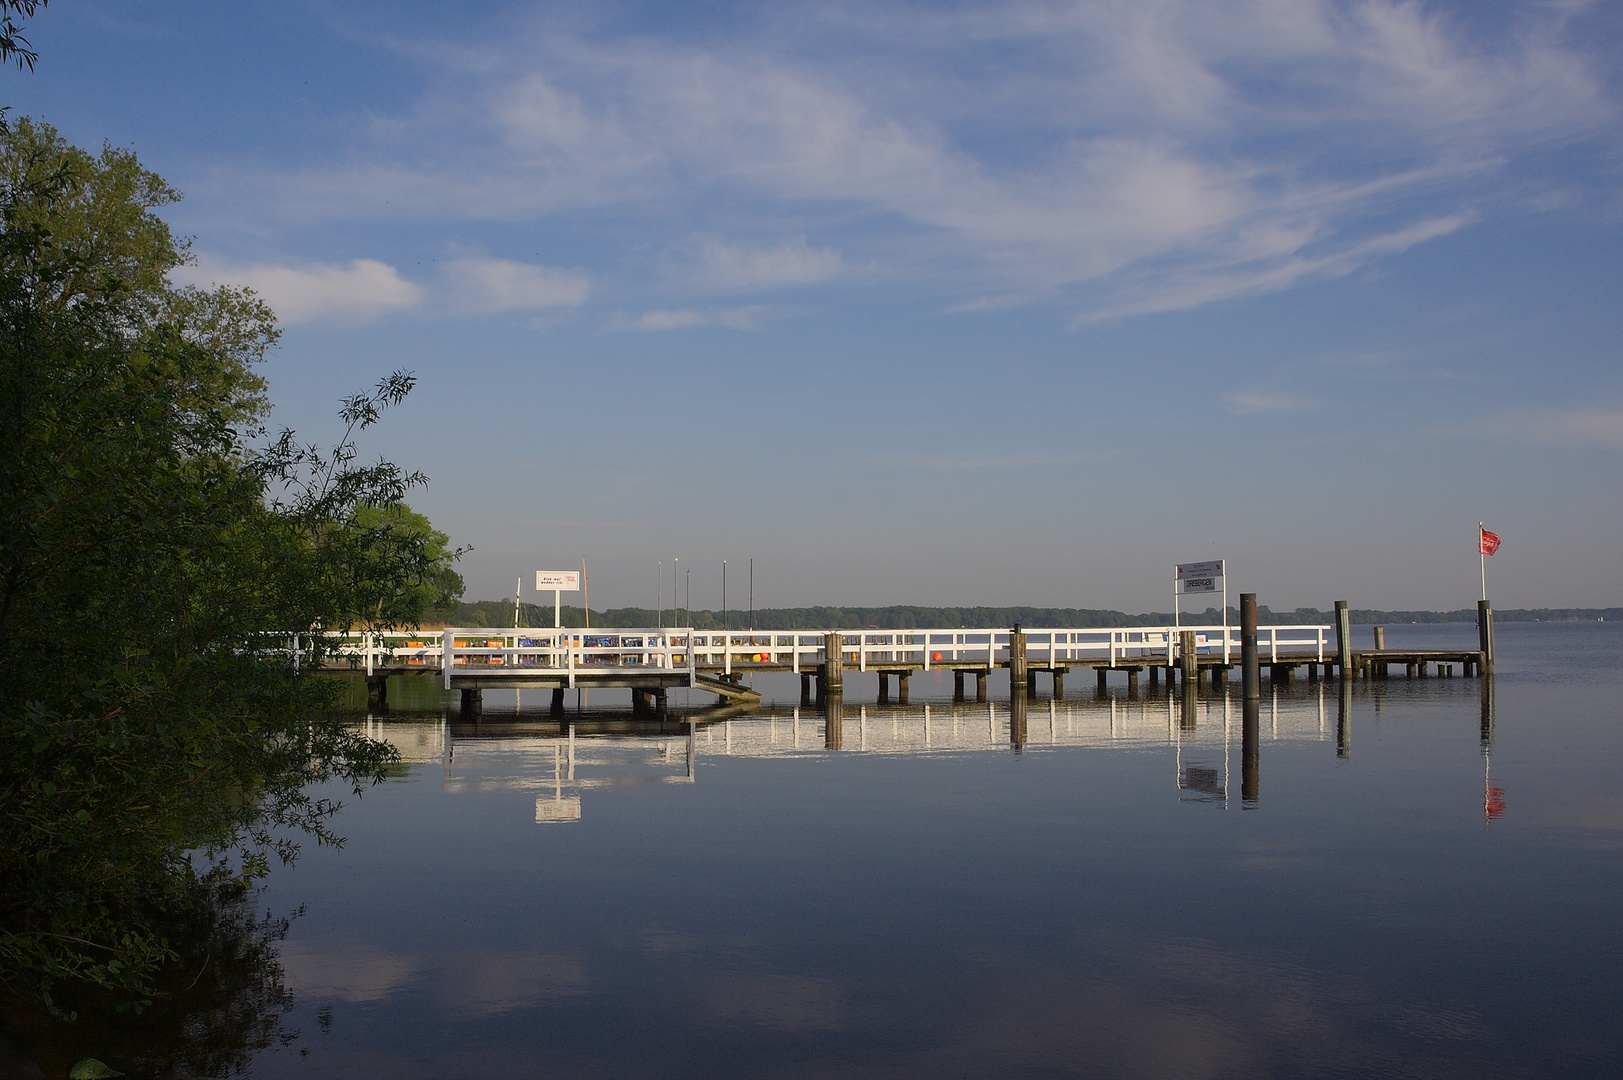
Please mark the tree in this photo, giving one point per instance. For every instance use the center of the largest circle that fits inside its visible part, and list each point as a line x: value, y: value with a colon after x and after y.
x: 152, y: 561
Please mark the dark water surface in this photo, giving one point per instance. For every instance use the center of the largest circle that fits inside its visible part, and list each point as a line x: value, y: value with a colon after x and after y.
x: 929, y: 900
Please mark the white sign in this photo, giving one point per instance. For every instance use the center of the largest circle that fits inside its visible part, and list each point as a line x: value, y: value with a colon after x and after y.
x: 557, y: 580
x: 1200, y: 577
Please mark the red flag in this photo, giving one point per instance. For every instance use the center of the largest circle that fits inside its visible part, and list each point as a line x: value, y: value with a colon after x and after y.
x: 1490, y: 542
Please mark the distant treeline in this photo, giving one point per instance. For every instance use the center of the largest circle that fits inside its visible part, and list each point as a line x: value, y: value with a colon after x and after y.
x: 495, y: 613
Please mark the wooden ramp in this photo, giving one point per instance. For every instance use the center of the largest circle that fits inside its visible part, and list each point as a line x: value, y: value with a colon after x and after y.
x: 736, y: 692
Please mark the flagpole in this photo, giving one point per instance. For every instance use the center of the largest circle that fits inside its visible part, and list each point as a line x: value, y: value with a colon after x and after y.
x: 1482, y: 557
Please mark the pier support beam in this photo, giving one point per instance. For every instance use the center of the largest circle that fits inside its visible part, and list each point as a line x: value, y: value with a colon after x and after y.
x: 1017, y: 662
x: 377, y: 693
x: 884, y: 688
x: 980, y: 686
x: 805, y: 688
x: 901, y: 687
x: 1100, y: 673
x: 1250, y: 676
x: 557, y: 700
x: 473, y: 704
x: 1220, y: 676
x: 1155, y: 675
x: 958, y: 686
x: 1344, y: 663
x: 1132, y: 682
x: 1059, y: 684
x: 1031, y: 683
x: 1484, y: 633
x: 831, y: 680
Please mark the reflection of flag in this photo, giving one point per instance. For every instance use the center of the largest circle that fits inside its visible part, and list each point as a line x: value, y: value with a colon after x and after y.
x: 1493, y: 802
x: 1490, y: 541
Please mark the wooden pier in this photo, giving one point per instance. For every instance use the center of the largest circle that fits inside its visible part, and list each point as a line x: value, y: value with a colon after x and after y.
x: 652, y: 661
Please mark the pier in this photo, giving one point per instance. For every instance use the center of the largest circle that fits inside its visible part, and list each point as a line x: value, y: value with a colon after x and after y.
x: 652, y: 661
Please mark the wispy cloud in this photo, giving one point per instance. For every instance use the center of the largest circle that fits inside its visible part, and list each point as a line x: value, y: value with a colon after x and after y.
x: 358, y: 292
x: 1128, y: 158
x: 1587, y: 426
x: 491, y: 285
x: 741, y: 318
x: 1245, y: 404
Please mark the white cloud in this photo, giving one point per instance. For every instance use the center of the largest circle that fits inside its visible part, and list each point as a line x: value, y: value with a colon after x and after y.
x: 1589, y: 426
x: 1246, y: 404
x: 491, y: 285
x: 735, y: 269
x: 359, y: 292
x: 1134, y: 157
x: 741, y: 318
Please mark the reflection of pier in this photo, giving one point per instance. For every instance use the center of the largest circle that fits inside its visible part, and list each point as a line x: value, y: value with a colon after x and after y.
x: 1216, y: 739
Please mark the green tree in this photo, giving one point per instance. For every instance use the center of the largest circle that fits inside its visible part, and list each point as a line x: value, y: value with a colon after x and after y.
x: 152, y: 561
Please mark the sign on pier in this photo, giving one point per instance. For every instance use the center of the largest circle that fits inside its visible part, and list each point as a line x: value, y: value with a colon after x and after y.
x: 1199, y: 577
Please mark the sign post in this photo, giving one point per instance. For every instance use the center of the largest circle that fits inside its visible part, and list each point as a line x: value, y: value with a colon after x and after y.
x: 559, y: 581
x: 1202, y: 577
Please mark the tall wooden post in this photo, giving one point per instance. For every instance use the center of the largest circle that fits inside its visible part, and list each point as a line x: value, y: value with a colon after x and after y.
x: 1380, y: 638
x: 833, y: 676
x: 1250, y: 675
x: 1190, y: 658
x: 1344, y: 662
x: 1484, y: 632
x: 1017, y: 661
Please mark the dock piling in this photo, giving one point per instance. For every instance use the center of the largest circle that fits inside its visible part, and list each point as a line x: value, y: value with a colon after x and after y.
x: 1250, y: 675
x: 1484, y: 630
x: 1344, y: 662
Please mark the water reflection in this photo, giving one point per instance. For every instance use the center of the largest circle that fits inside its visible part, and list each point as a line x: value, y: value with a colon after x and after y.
x: 561, y: 759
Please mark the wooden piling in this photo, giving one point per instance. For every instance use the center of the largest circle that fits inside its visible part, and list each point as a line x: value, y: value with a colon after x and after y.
x: 980, y: 686
x: 1344, y: 661
x: 1059, y: 684
x: 557, y: 700
x: 901, y: 687
x: 1099, y: 673
x: 1155, y: 675
x: 958, y: 686
x: 473, y: 704
x: 1132, y: 682
x: 832, y: 677
x: 1250, y: 676
x: 1380, y: 637
x: 1484, y: 630
x: 1017, y: 661
x: 1189, y: 660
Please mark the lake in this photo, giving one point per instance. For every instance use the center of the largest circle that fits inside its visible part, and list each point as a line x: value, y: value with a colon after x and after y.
x: 1424, y: 880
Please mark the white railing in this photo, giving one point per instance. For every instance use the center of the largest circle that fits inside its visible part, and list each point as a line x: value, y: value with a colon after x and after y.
x: 564, y: 651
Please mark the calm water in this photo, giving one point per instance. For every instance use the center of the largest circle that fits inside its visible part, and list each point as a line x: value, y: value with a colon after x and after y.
x: 1402, y: 896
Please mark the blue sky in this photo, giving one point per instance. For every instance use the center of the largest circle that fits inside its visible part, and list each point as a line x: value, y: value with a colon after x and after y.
x: 994, y: 303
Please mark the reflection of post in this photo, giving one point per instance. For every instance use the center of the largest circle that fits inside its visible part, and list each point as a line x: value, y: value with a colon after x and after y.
x: 1187, y: 721
x: 1344, y: 720
x: 1487, y: 715
x: 693, y: 747
x: 1250, y: 676
x: 833, y: 719
x: 1017, y: 721
x: 1249, y: 752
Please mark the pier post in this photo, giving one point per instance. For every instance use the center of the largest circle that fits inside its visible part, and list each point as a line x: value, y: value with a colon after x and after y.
x: 557, y: 700
x: 1380, y: 637
x: 377, y: 693
x: 661, y: 701
x: 1484, y: 633
x: 805, y: 688
x: 958, y: 686
x: 1100, y: 673
x: 1344, y: 662
x: 1155, y: 675
x: 1059, y: 684
x: 1249, y: 755
x: 1031, y: 682
x: 901, y: 687
x: 884, y: 688
x: 1220, y: 676
x: 1132, y: 682
x: 832, y: 677
x: 473, y: 704
x: 980, y: 686
x: 1250, y: 675
x: 1190, y: 660
x: 1017, y: 661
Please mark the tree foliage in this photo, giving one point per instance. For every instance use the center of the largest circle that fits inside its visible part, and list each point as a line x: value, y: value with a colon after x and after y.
x: 155, y: 744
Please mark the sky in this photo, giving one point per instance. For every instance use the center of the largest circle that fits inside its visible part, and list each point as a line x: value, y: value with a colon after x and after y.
x: 986, y: 303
